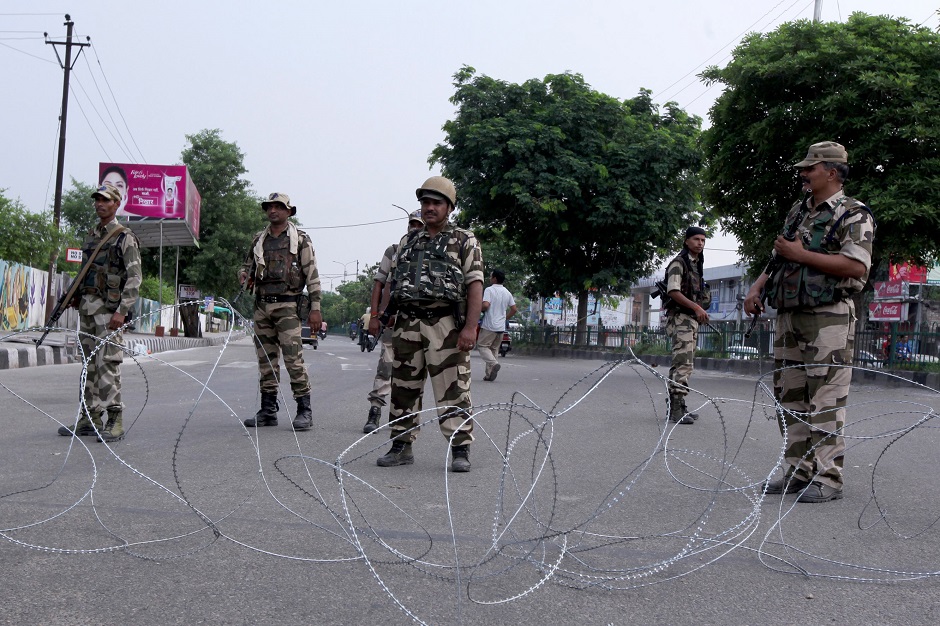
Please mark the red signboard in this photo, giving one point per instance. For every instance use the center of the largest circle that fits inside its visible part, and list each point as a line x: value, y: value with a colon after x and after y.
x: 890, y: 290
x: 887, y: 311
x: 905, y: 271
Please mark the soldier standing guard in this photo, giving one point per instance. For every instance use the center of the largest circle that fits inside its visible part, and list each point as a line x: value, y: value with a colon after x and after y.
x: 280, y: 263
x: 689, y: 297
x: 825, y: 264
x: 438, y: 290
x: 108, y: 291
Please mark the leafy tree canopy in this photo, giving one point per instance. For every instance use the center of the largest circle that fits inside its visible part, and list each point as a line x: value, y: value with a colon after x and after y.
x: 230, y: 214
x: 78, y: 211
x: 591, y: 190
x: 25, y: 237
x: 871, y: 84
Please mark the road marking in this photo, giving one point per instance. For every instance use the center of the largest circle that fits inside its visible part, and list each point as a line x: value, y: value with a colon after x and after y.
x: 241, y: 364
x: 185, y: 363
x: 355, y: 366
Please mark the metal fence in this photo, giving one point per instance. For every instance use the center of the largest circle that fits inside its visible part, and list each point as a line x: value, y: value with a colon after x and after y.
x: 876, y: 346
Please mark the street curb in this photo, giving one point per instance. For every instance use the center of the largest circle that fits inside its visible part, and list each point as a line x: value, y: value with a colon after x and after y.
x: 18, y: 356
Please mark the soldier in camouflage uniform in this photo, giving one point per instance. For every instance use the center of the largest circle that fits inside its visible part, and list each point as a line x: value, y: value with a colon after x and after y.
x: 382, y: 385
x: 438, y: 290
x: 688, y: 299
x: 826, y: 264
x: 280, y: 263
x: 108, y: 291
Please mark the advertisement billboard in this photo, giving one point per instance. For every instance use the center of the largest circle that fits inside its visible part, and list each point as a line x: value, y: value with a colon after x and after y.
x: 887, y: 311
x: 890, y: 290
x: 164, y: 192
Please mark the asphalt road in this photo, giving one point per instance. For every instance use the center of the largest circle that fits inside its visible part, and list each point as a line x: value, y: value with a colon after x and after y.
x: 194, y: 520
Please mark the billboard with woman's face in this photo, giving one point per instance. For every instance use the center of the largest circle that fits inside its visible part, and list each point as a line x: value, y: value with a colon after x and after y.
x: 155, y: 191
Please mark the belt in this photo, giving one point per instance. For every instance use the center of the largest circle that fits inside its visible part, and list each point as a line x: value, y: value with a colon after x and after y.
x: 89, y: 291
x: 426, y: 314
x: 278, y: 298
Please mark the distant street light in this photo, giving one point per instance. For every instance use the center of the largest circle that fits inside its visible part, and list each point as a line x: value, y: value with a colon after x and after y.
x: 344, y: 268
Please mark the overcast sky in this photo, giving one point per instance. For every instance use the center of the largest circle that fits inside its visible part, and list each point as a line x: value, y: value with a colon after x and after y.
x: 340, y: 104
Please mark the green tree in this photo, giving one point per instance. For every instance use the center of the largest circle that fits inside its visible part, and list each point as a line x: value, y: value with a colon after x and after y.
x: 78, y: 211
x: 230, y: 214
x: 871, y: 84
x: 25, y: 237
x: 592, y: 190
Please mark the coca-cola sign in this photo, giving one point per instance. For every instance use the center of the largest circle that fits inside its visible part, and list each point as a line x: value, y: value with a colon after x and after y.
x: 887, y: 311
x: 890, y: 290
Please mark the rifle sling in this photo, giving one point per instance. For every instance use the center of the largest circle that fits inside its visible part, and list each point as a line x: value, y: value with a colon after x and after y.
x: 84, y: 269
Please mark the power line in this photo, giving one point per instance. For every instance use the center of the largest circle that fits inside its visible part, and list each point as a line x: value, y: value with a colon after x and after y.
x: 397, y: 219
x: 43, y: 59
x: 120, y: 137
x: 90, y: 127
x: 98, y: 113
x: 118, y: 106
x: 730, y: 43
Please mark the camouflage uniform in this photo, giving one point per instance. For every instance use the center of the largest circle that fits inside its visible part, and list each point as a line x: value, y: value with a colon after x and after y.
x: 111, y: 285
x: 681, y: 324
x: 382, y: 385
x: 276, y: 324
x: 425, y: 339
x: 814, y: 337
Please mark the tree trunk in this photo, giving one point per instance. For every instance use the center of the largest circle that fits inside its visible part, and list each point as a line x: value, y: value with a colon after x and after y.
x: 581, y: 332
x: 189, y: 315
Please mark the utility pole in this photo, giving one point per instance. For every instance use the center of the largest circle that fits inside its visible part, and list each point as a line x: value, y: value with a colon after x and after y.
x: 817, y: 11
x: 60, y: 166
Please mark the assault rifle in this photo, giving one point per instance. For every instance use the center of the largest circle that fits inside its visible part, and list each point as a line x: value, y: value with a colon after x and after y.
x: 59, y: 309
x: 776, y: 263
x: 390, y: 310
x: 69, y: 294
x: 660, y: 290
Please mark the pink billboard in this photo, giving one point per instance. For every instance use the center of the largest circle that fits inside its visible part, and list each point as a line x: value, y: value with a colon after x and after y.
x: 154, y: 191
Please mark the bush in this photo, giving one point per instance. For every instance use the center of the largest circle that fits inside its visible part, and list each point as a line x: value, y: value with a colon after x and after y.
x: 150, y: 289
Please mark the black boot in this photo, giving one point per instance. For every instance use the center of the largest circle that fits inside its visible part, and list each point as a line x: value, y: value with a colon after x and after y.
x: 677, y: 412
x: 400, y: 454
x: 372, y: 422
x: 304, y: 419
x: 460, y: 461
x: 267, y: 416
x: 685, y: 410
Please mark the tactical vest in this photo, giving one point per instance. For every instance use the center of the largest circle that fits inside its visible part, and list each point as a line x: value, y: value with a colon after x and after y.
x: 798, y: 286
x: 693, y: 285
x: 107, y: 274
x: 427, y: 273
x: 281, y: 273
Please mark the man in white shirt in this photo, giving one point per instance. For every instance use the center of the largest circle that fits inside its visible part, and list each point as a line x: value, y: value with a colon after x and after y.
x: 498, y: 304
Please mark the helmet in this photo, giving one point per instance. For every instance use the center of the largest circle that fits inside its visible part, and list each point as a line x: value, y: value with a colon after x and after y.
x: 415, y: 216
x: 438, y: 187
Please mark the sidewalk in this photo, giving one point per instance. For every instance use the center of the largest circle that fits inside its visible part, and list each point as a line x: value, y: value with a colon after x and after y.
x: 746, y: 367
x: 18, y: 349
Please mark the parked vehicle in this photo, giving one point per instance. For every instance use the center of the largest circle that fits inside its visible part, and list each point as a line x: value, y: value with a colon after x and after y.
x: 864, y: 358
x: 308, y: 338
x: 742, y: 352
x: 506, y: 344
